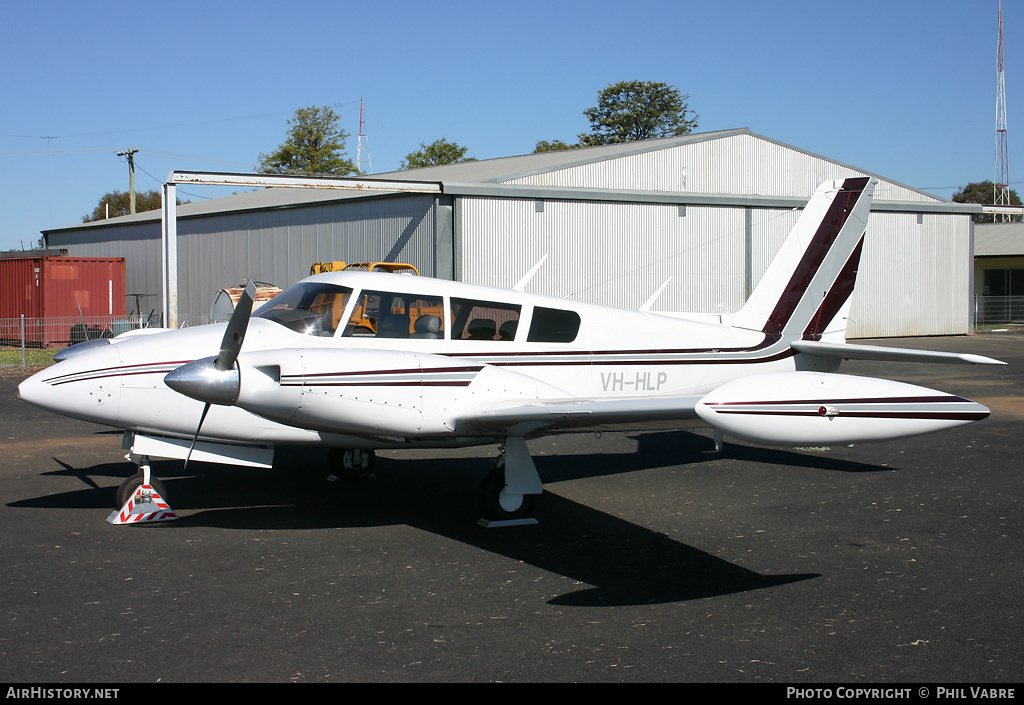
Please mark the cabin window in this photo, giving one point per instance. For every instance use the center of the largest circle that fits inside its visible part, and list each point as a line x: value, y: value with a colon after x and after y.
x: 310, y: 308
x: 484, y: 320
x: 552, y: 325
x: 388, y: 314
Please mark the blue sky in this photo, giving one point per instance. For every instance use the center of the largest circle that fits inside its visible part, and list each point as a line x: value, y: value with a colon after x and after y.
x: 903, y: 89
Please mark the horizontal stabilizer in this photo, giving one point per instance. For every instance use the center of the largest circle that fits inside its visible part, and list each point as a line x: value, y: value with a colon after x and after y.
x: 846, y: 351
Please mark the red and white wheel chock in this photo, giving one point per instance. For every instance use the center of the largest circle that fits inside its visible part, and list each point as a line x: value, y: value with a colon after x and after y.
x: 145, y: 505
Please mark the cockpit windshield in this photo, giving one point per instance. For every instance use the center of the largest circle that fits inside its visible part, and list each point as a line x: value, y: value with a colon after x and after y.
x: 308, y: 307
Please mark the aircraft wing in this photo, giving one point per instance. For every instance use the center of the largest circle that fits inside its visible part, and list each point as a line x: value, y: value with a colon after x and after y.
x: 620, y: 413
x: 847, y: 351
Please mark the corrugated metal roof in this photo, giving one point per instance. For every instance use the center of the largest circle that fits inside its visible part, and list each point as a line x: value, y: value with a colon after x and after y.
x: 999, y: 240
x: 511, y: 169
x: 456, y: 178
x: 505, y: 169
x: 262, y: 199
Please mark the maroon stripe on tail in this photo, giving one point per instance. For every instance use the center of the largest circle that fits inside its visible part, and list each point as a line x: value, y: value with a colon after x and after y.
x: 821, y: 243
x: 836, y: 297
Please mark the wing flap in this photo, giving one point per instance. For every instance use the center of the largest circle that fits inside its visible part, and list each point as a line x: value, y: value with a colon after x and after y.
x: 578, y: 414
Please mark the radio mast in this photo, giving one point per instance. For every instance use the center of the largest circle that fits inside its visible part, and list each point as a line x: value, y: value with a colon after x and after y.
x: 1002, y: 179
x: 363, y: 145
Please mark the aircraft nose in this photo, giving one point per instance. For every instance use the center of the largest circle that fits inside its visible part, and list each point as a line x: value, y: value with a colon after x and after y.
x: 86, y: 386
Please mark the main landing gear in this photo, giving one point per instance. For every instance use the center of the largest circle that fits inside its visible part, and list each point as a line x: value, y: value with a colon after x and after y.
x: 509, y: 492
x: 352, y: 463
x: 507, y: 495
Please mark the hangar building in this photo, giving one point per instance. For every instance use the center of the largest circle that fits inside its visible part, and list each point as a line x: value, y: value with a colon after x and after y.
x: 703, y: 213
x: 999, y: 272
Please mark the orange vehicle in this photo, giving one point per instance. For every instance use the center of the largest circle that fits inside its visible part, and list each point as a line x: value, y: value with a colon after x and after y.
x: 371, y: 309
x: 392, y: 267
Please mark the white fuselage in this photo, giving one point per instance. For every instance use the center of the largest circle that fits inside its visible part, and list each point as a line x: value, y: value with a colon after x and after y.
x: 367, y: 391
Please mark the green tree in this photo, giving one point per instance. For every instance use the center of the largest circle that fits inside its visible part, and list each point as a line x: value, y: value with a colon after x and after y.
x: 983, y: 192
x: 315, y: 145
x: 638, y: 110
x: 553, y: 146
x: 118, y: 203
x: 434, y: 154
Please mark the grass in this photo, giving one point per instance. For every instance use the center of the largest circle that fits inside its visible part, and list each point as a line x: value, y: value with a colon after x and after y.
x: 11, y: 357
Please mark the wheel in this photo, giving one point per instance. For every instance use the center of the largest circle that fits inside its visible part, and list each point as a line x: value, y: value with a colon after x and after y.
x: 497, y: 505
x: 132, y: 484
x: 353, y: 462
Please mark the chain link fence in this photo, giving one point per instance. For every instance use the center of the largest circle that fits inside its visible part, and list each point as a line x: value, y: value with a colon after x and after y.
x: 995, y: 310
x: 24, y: 341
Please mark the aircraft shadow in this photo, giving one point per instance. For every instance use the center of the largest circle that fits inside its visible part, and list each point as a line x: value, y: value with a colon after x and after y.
x: 614, y: 561
x: 677, y: 448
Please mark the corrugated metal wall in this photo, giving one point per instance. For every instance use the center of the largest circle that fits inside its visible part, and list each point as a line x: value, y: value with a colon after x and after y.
x: 275, y: 246
x: 914, y: 278
x: 279, y: 246
x: 609, y: 253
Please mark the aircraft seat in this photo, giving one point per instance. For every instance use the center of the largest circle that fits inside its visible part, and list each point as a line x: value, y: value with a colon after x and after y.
x: 427, y: 327
x: 482, y: 329
x: 394, y: 325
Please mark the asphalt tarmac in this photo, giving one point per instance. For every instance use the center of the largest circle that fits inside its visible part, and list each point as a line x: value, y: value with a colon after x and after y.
x: 654, y: 559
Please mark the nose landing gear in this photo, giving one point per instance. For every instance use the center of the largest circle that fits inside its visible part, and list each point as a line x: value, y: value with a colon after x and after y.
x: 141, y: 498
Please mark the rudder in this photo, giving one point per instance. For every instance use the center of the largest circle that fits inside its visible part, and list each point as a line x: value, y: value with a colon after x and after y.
x: 809, y: 282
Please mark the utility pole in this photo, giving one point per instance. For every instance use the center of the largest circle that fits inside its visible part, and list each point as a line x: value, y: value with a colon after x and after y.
x: 130, y: 153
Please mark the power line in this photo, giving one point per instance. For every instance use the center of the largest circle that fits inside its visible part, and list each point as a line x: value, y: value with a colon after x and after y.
x: 143, y: 129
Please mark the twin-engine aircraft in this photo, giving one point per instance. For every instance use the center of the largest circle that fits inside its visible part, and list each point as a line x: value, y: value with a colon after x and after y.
x: 360, y: 361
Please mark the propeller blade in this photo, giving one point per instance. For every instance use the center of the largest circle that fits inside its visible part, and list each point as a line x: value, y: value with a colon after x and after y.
x: 195, y: 438
x: 234, y: 334
x: 214, y: 380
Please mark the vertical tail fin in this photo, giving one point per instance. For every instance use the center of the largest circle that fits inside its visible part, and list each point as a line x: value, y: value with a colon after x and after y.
x: 808, y: 284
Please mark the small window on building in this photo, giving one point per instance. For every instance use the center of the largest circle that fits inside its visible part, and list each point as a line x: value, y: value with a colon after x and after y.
x: 1004, y: 282
x: 552, y: 325
x: 387, y: 314
x: 484, y: 320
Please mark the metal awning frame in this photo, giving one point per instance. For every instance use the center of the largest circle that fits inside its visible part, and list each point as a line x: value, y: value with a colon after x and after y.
x: 169, y: 213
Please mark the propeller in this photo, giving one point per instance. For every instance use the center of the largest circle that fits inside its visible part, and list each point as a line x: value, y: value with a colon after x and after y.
x: 216, y: 380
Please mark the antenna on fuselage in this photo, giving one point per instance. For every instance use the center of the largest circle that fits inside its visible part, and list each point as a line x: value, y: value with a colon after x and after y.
x: 654, y: 297
x: 521, y: 284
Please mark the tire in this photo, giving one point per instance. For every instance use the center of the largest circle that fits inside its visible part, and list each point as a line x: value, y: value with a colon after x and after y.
x: 354, y: 463
x: 132, y: 484
x: 496, y: 506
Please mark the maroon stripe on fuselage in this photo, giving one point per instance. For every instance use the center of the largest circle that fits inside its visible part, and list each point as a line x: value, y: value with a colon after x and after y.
x: 404, y: 371
x: 410, y: 383
x: 594, y: 357
x: 814, y: 255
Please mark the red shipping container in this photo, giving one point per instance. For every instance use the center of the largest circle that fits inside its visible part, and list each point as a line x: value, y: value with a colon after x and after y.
x: 61, y: 287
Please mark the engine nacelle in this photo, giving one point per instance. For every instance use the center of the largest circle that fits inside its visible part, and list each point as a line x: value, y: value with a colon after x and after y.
x: 372, y: 392
x: 816, y: 408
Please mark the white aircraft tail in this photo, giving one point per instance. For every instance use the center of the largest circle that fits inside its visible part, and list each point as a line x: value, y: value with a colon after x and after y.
x: 805, y: 292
